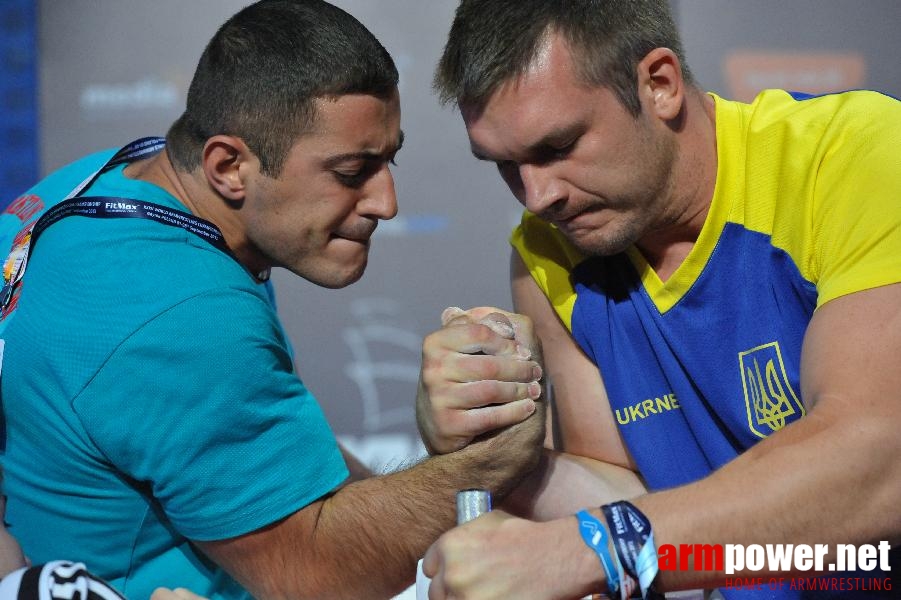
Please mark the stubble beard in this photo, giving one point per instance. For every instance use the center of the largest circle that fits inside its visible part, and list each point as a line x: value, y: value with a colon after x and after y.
x: 648, y: 207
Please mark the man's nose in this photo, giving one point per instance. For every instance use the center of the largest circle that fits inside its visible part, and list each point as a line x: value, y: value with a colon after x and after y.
x: 541, y: 189
x: 381, y: 197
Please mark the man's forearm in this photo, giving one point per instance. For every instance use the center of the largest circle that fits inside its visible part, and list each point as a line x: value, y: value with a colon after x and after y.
x: 845, y: 489
x: 396, y: 517
x: 822, y: 480
x: 564, y: 483
x: 364, y: 540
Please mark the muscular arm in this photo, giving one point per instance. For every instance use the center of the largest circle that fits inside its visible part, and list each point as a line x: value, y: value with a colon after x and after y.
x: 832, y: 477
x: 586, y: 462
x: 581, y: 411
x: 364, y: 540
x: 562, y: 484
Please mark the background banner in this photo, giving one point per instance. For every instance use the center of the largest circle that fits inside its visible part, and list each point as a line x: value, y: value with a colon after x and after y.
x: 18, y: 98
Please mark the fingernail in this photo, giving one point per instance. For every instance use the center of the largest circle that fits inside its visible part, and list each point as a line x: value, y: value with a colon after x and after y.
x: 534, y: 390
x: 523, y: 352
x: 537, y: 372
x: 502, y: 329
x: 449, y: 313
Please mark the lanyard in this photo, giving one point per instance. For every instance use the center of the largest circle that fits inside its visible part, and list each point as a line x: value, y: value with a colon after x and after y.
x: 141, y: 148
x: 107, y: 207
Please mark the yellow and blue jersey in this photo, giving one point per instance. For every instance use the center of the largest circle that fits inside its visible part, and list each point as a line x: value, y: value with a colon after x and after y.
x: 698, y: 368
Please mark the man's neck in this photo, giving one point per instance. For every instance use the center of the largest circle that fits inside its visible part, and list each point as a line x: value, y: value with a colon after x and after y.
x: 193, y: 190
x: 692, y: 189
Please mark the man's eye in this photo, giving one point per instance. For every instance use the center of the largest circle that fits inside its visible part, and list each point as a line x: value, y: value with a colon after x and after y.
x: 350, y: 178
x: 355, y: 175
x: 564, y: 149
x: 557, y: 151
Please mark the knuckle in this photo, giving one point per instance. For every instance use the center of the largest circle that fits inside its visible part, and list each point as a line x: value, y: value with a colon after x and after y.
x: 477, y: 393
x: 458, y: 427
x: 484, y: 392
x: 476, y: 368
x: 479, y: 333
x: 432, y: 379
x: 432, y: 342
x: 430, y: 364
x: 446, y: 422
x: 489, y: 369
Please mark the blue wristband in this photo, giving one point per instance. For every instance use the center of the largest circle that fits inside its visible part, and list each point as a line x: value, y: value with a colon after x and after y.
x: 594, y: 534
x: 633, y: 539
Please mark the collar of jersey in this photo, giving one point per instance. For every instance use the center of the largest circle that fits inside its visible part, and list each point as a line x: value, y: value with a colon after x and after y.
x: 665, y: 295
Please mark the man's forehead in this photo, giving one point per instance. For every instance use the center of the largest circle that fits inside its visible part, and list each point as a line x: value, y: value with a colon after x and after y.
x: 355, y: 115
x: 525, y: 118
x: 344, y: 107
x: 544, y: 52
x: 551, y: 68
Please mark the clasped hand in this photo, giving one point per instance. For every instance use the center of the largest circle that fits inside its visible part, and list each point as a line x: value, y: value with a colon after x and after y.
x: 480, y: 373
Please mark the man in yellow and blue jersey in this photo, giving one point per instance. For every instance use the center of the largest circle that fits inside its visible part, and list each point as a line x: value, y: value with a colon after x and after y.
x: 716, y: 289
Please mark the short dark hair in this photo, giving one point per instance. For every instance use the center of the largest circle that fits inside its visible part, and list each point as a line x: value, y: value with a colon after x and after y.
x: 493, y: 41
x: 261, y: 71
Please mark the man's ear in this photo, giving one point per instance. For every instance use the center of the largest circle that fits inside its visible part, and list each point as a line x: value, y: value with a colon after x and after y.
x: 660, y: 84
x: 226, y: 163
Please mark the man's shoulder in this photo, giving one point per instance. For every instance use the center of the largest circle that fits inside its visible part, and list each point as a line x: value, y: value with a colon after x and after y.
x: 125, y: 273
x: 60, y: 182
x: 30, y: 205
x: 816, y: 113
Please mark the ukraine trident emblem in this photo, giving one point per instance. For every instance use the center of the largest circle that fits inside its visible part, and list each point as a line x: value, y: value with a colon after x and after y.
x: 769, y: 397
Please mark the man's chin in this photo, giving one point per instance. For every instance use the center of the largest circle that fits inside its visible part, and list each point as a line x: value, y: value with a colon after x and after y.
x: 604, y: 239
x: 600, y: 247
x: 334, y: 278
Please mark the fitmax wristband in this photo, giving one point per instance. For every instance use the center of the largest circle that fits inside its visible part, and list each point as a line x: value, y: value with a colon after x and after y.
x: 594, y: 534
x: 633, y: 540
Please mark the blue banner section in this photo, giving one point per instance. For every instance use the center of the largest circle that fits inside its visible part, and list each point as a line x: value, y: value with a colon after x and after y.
x: 18, y: 98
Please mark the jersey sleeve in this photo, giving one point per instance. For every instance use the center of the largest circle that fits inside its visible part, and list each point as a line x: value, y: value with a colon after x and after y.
x: 550, y: 258
x: 857, y: 217
x: 201, y: 406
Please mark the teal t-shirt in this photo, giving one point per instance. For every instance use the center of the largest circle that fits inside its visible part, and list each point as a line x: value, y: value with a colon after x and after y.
x: 150, y: 397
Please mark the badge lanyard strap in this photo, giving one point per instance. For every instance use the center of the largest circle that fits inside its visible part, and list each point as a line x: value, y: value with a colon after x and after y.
x: 136, y: 150
x: 104, y: 207
x: 107, y: 207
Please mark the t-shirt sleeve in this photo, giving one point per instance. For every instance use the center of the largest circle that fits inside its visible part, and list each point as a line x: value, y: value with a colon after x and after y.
x: 550, y: 259
x: 858, y: 194
x: 201, y: 406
